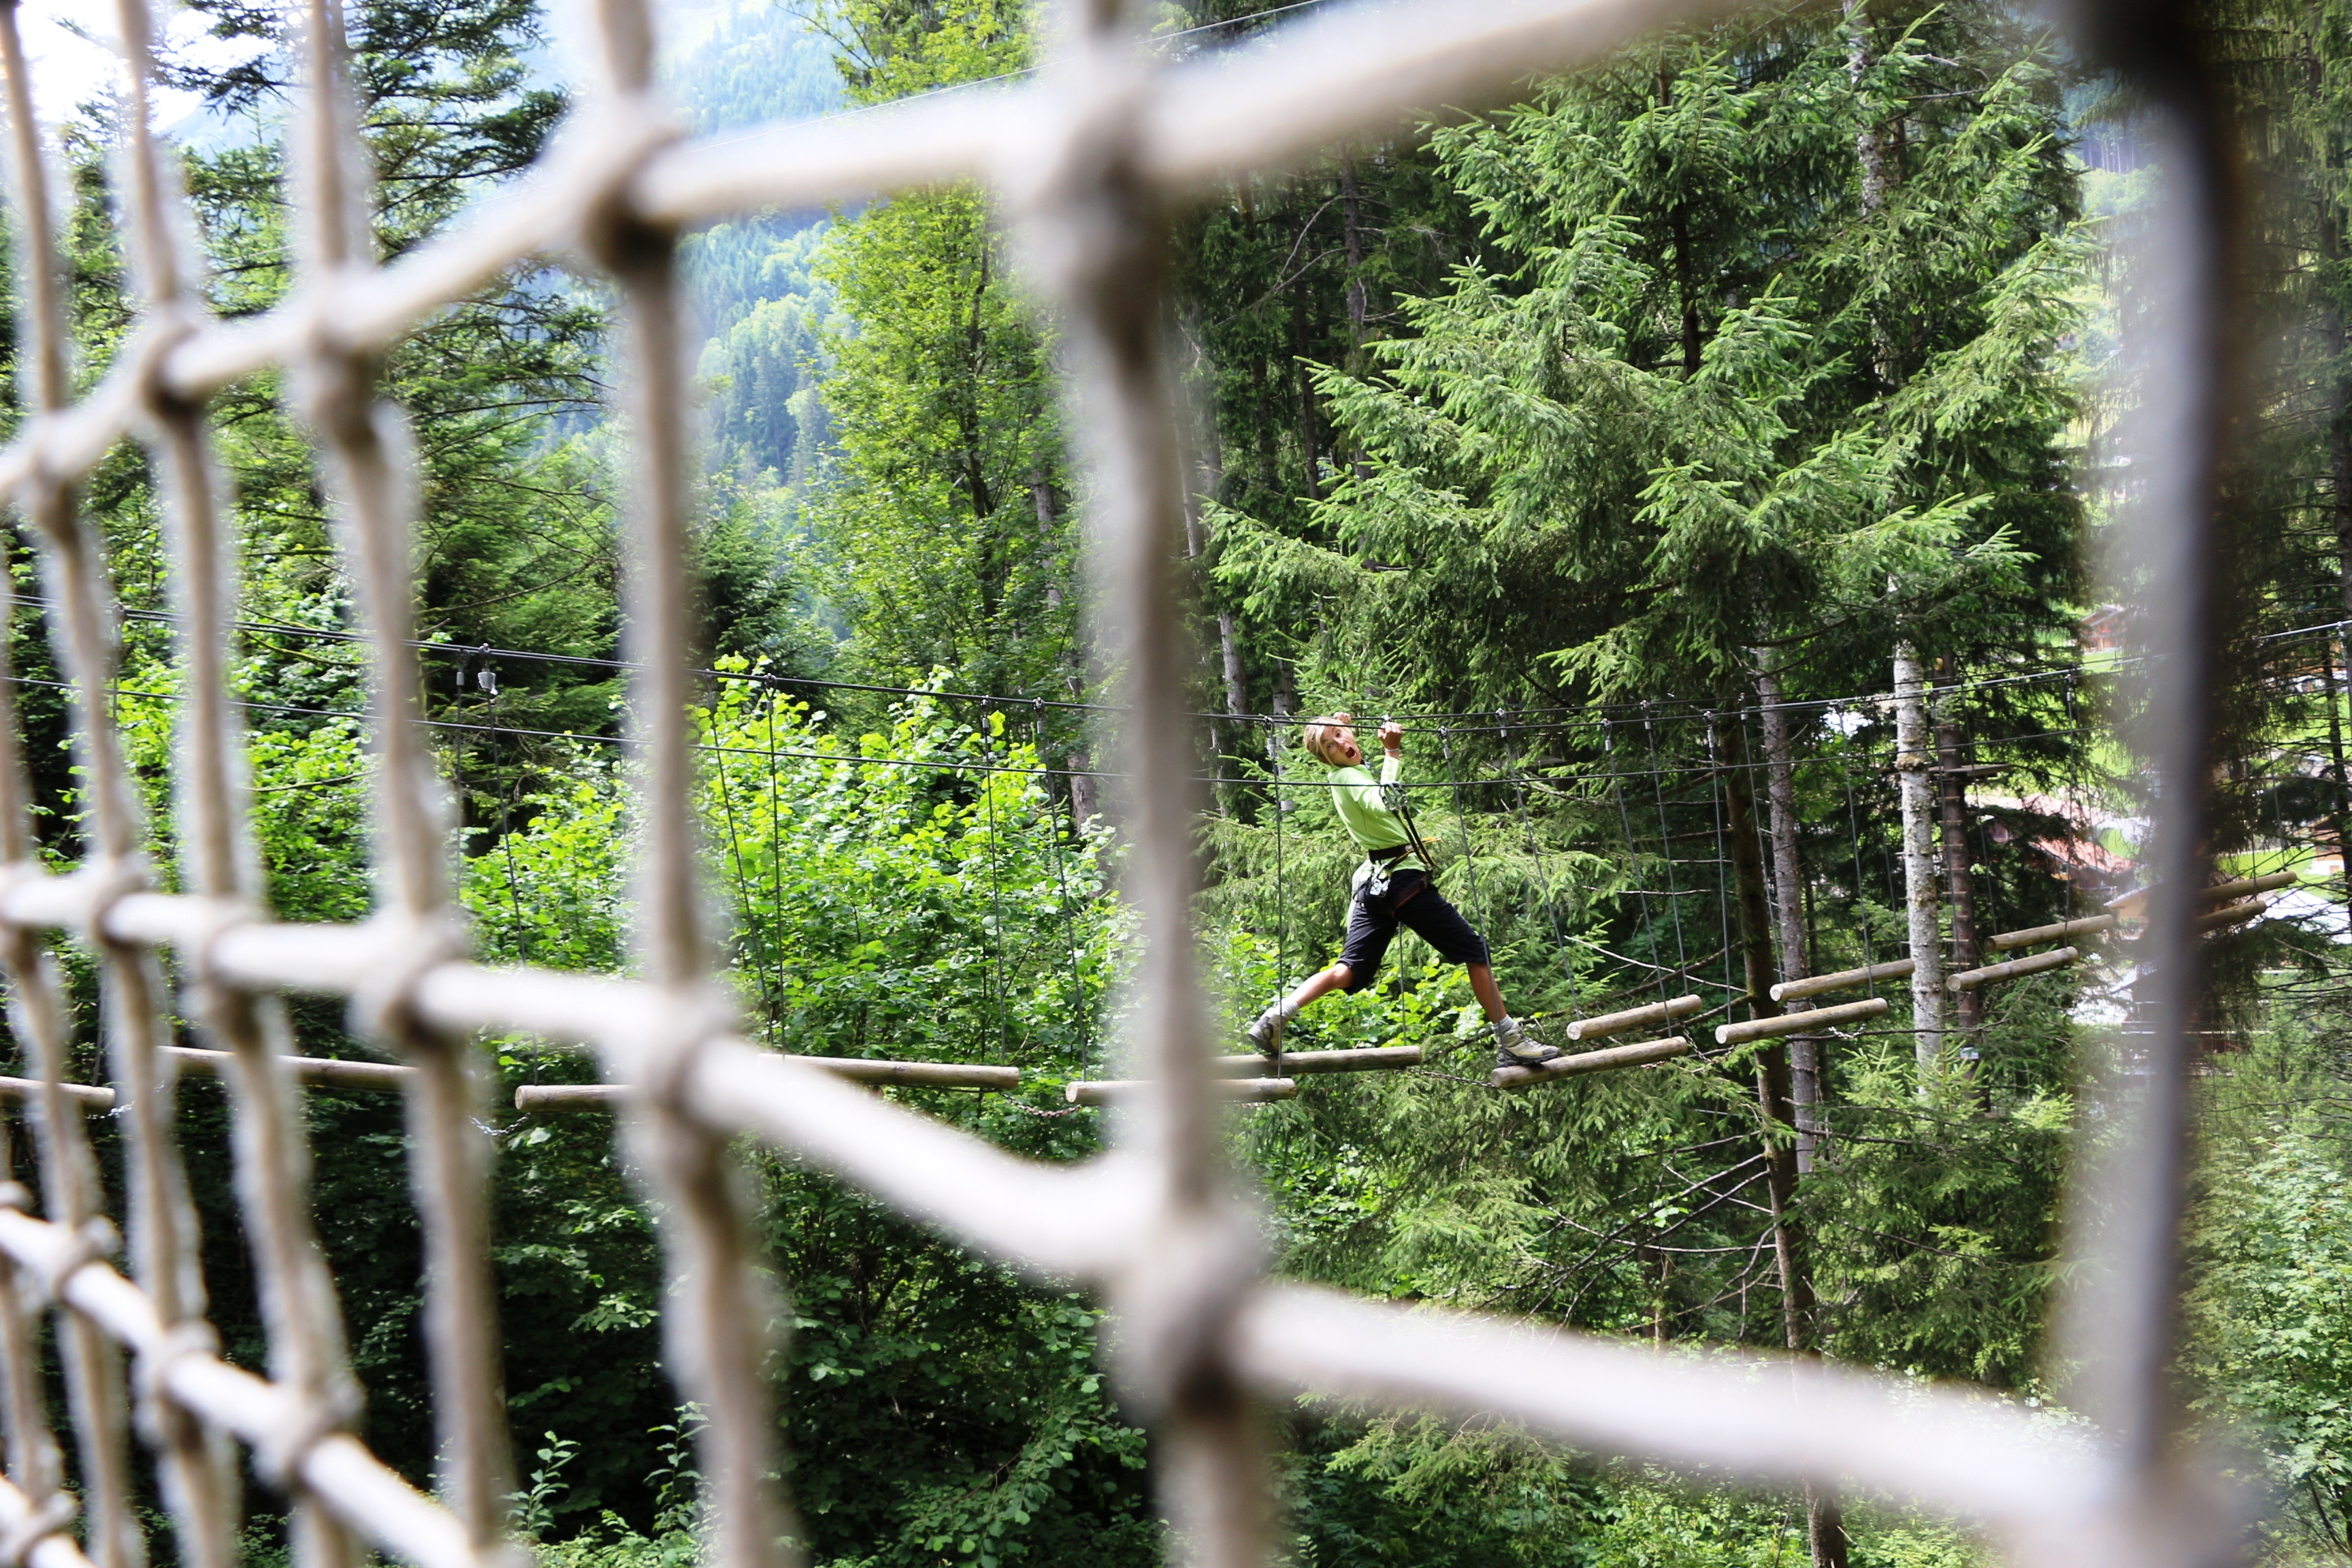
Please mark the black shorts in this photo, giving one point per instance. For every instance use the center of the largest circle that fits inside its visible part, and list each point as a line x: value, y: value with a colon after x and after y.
x: 1372, y: 925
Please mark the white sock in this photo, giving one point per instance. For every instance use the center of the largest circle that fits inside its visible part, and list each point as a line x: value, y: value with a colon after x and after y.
x: 1503, y: 1025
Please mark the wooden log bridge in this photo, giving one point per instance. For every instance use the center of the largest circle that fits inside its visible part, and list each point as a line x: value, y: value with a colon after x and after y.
x: 1368, y: 1058
x: 2033, y: 936
x: 857, y: 1069
x: 1799, y: 1023
x: 2269, y: 881
x: 1563, y: 1068
x: 1244, y: 1091
x: 2234, y: 915
x: 89, y: 1096
x: 1814, y: 984
x: 1655, y: 1015
x: 315, y: 1071
x: 1974, y: 979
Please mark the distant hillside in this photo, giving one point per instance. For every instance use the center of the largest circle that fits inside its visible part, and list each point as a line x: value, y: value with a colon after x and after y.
x: 750, y: 281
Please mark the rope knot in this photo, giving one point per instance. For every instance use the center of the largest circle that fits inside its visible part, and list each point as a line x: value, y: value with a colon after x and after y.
x: 302, y: 1422
x: 148, y: 353
x: 15, y: 874
x: 86, y: 1243
x: 216, y: 920
x: 1177, y: 1299
x: 617, y: 139
x: 384, y: 1004
x: 49, y: 1518
x: 192, y: 1337
x: 107, y: 882
x: 692, y: 1016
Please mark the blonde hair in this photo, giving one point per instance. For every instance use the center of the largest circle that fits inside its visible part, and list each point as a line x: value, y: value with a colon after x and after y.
x: 1318, y: 735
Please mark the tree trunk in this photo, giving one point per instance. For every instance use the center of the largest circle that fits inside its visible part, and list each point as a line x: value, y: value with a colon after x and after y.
x: 1685, y: 285
x: 1869, y: 145
x: 1082, y: 790
x: 1353, y: 236
x: 1788, y: 882
x: 1957, y: 879
x: 2339, y: 467
x: 1306, y: 445
x: 1286, y: 698
x: 1772, y: 1097
x: 2341, y: 814
x: 1870, y: 152
x: 1196, y: 548
x: 1912, y: 761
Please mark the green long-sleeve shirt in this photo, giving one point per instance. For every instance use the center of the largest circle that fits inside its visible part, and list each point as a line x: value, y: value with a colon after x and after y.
x: 1364, y: 811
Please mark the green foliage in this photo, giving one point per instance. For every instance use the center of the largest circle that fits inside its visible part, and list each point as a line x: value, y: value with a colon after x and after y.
x: 910, y: 892
x: 1642, y: 432
x: 943, y: 514
x: 2272, y: 1311
x: 765, y: 410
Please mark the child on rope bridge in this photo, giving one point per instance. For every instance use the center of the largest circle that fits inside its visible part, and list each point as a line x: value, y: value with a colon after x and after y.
x: 1393, y: 888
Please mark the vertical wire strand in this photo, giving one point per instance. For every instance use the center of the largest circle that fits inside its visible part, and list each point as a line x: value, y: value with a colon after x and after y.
x: 300, y: 1317
x: 1633, y: 864
x: 1096, y: 231
x: 1051, y: 820
x: 199, y: 1473
x: 1535, y: 855
x: 717, y: 1330
x: 996, y: 892
x: 1665, y: 844
x: 36, y: 1465
x: 130, y: 1011
x: 364, y: 442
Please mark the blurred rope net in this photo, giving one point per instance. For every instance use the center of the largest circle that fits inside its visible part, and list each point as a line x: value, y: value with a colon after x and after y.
x: 1089, y: 155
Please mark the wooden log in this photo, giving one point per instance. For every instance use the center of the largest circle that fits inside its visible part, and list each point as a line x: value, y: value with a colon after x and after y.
x: 1367, y: 1058
x: 569, y: 1096
x: 2236, y: 915
x: 1971, y: 979
x: 1814, y: 984
x: 319, y: 1072
x: 1110, y: 1091
x: 1651, y: 1016
x: 929, y: 1075
x: 1566, y: 1067
x: 857, y: 1069
x: 2267, y: 882
x: 1971, y: 769
x: 2002, y: 942
x: 89, y: 1096
x: 1799, y: 1023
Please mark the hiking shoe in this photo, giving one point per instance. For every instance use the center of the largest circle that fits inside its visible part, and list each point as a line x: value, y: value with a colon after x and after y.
x: 1513, y: 1049
x: 1266, y: 1035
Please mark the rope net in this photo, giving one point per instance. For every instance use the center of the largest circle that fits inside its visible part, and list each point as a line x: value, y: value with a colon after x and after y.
x: 1090, y: 154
